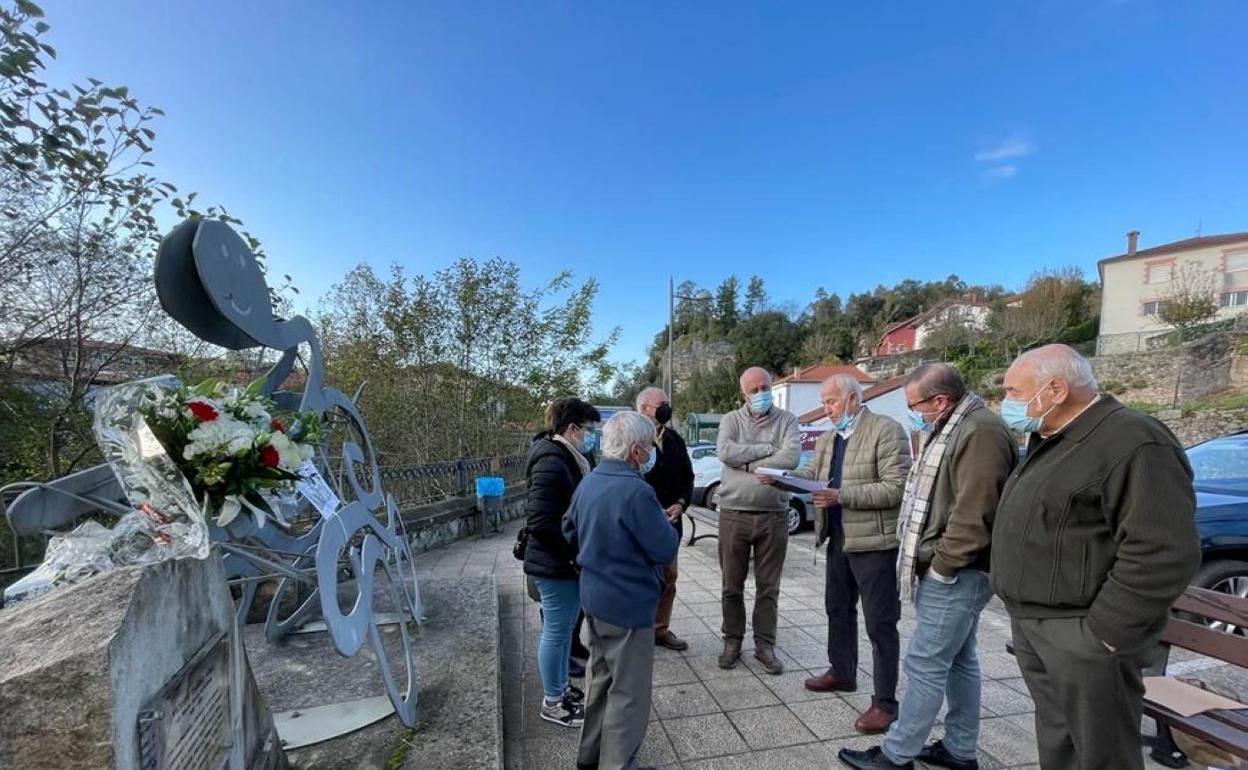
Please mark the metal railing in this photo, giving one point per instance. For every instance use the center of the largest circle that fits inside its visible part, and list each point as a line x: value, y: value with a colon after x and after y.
x: 411, y: 485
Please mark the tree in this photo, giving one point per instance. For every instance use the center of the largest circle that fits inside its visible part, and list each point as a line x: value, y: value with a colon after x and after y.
x: 1189, y: 302
x: 78, y: 230
x: 769, y: 339
x: 460, y: 362
x: 755, y: 297
x: 1051, y: 302
x: 727, y: 314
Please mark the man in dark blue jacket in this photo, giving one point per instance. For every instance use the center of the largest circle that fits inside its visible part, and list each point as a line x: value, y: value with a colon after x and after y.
x: 623, y: 541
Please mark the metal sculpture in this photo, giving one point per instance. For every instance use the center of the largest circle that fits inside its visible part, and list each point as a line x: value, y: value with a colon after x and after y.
x: 210, y: 282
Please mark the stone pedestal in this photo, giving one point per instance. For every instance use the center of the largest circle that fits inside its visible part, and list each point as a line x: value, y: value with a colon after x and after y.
x: 79, y: 665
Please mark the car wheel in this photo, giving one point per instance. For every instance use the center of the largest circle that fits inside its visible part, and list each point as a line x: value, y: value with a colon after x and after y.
x: 1226, y: 576
x: 712, y: 496
x: 795, y: 517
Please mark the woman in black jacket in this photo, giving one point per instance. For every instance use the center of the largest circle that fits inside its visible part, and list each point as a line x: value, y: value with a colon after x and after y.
x: 556, y: 464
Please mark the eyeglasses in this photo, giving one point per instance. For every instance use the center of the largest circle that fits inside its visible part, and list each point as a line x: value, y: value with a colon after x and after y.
x: 924, y: 401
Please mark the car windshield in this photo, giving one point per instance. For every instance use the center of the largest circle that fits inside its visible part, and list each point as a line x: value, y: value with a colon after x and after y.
x: 1221, y: 463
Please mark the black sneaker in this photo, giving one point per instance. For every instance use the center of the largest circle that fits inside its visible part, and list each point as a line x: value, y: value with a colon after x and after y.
x: 574, y: 694
x: 565, y: 713
x: 937, y: 754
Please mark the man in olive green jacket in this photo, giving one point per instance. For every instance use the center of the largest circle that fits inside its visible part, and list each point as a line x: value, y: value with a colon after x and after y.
x: 1095, y: 538
x: 865, y: 460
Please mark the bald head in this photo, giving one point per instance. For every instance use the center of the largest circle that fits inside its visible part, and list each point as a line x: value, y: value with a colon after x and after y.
x: 650, y: 401
x: 755, y: 382
x: 1058, y: 362
x: 756, y: 379
x: 840, y: 395
x: 1054, y: 381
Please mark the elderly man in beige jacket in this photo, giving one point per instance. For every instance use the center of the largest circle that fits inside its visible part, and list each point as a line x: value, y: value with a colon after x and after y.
x: 864, y: 459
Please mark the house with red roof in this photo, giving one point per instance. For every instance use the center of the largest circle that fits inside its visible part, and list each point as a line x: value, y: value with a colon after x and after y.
x: 911, y: 334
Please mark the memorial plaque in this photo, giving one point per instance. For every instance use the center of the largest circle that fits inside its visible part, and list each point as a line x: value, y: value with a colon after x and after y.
x: 187, y: 725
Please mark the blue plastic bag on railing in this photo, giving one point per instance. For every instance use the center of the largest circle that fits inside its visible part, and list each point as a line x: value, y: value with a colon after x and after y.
x: 490, y: 486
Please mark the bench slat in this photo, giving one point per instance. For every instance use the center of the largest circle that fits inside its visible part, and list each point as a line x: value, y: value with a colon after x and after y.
x: 1206, y: 727
x: 1214, y: 606
x: 1200, y: 638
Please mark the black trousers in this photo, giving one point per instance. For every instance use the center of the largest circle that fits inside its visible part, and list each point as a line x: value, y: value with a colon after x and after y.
x: 872, y: 577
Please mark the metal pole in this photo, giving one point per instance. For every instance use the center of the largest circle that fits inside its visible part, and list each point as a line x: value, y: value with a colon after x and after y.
x: 669, y: 380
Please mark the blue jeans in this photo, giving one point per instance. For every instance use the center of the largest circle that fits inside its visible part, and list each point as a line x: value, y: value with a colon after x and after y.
x: 561, y: 600
x: 942, y: 662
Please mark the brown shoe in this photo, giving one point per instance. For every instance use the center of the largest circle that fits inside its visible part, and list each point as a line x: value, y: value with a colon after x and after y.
x: 670, y: 641
x: 876, y: 720
x: 771, y: 664
x: 827, y: 682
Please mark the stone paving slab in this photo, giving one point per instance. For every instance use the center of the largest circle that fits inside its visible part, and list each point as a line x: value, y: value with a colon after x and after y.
x: 705, y: 718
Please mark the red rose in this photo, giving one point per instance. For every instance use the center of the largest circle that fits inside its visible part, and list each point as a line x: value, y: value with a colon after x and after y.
x: 203, y: 411
x: 269, y: 457
x: 276, y: 425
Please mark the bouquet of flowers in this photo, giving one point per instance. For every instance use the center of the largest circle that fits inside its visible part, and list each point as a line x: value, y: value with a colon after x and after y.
x: 234, y: 450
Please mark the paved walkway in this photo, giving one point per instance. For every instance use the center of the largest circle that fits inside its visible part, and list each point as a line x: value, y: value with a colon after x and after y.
x: 705, y: 718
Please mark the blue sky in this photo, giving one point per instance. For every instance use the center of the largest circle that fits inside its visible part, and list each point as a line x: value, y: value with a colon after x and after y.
x: 833, y: 144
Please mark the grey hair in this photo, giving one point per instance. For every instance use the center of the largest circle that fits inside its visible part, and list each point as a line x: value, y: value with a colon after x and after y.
x: 641, y: 397
x: 1060, y: 362
x: 622, y: 431
x: 845, y: 385
x: 938, y: 379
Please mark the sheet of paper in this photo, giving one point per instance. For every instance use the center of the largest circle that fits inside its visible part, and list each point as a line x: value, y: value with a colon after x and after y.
x: 791, y: 484
x: 313, y: 487
x: 1184, y: 699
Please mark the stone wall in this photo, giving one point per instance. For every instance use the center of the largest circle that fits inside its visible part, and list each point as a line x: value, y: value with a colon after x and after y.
x: 438, y: 524
x: 1202, y: 426
x: 696, y: 358
x: 1191, y: 371
x: 884, y: 367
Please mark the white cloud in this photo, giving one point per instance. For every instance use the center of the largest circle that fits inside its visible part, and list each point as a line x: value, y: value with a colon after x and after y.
x: 1011, y: 148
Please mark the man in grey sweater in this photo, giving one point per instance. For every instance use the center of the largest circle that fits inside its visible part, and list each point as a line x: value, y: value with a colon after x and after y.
x: 752, y: 516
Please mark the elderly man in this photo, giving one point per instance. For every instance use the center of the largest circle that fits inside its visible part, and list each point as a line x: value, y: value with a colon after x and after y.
x: 1095, y: 538
x: 752, y: 516
x: 623, y: 541
x: 672, y: 481
x: 864, y: 459
x: 945, y: 529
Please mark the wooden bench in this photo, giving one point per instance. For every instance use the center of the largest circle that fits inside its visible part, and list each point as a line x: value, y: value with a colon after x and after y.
x: 1225, y: 728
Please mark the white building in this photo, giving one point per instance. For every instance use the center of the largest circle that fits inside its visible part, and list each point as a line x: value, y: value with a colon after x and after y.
x: 1135, y: 284
x: 799, y: 391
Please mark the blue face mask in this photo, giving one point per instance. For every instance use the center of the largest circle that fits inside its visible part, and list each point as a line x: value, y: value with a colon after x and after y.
x: 760, y: 402
x: 1014, y: 413
x: 918, y: 422
x: 845, y: 420
x: 648, y: 465
x: 589, y: 442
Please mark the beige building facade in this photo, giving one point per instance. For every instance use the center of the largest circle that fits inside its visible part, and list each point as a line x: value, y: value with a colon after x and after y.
x: 1135, y: 284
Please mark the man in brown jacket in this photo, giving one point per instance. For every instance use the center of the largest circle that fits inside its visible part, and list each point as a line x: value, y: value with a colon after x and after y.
x: 864, y: 459
x: 1095, y: 539
x: 945, y: 527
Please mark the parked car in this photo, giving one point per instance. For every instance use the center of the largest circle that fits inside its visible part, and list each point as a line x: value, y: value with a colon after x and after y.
x: 1220, y: 467
x: 707, y: 471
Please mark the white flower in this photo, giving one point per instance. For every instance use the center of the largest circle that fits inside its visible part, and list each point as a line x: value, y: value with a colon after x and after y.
x: 223, y: 435
x: 292, y: 453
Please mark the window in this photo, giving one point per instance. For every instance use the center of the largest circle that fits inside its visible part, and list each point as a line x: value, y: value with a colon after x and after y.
x: 1160, y: 273
x: 1234, y: 299
x: 1237, y: 260
x: 1151, y: 308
